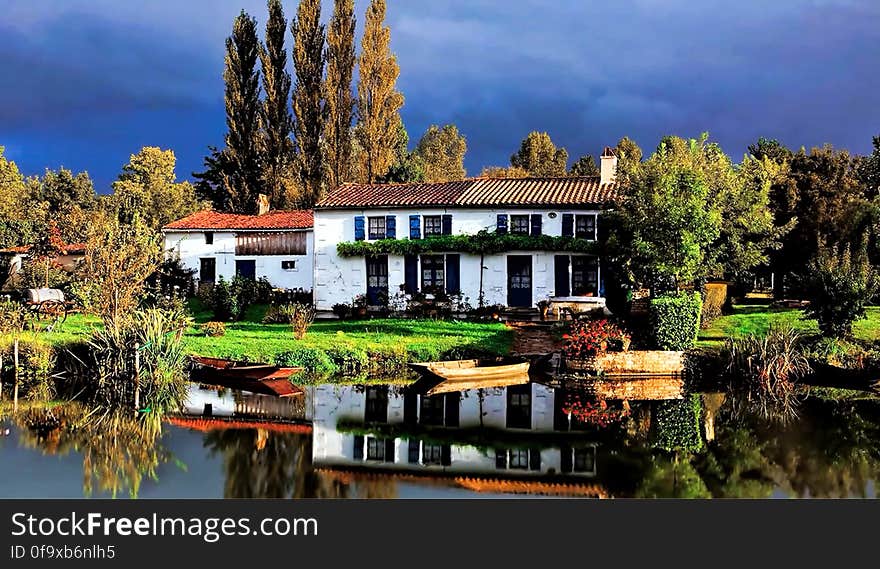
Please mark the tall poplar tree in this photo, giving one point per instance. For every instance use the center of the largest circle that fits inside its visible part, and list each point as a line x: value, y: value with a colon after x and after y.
x: 233, y: 176
x: 308, y: 60
x: 338, y: 98
x: 379, y: 102
x: 277, y: 122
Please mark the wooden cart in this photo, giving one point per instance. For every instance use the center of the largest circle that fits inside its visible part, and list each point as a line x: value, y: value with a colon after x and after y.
x: 49, y: 304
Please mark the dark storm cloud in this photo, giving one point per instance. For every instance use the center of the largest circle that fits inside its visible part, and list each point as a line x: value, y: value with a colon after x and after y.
x: 90, y: 82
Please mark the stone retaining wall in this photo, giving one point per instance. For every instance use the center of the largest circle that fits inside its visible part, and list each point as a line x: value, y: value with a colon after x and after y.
x: 654, y: 362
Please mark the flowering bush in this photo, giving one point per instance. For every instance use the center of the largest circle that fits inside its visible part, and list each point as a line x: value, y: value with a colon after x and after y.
x: 589, y: 338
x: 592, y: 410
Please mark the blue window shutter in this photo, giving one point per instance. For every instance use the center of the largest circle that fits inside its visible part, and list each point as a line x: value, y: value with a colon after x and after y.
x: 536, y: 223
x: 446, y: 455
x: 447, y: 225
x: 359, y: 228
x: 453, y: 274
x: 415, y: 228
x: 502, y: 223
x: 411, y: 274
x: 568, y: 225
x: 560, y: 270
x: 391, y: 227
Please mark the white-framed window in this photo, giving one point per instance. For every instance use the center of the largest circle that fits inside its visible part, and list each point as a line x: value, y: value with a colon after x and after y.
x: 376, y: 227
x: 584, y: 460
x: 433, y: 225
x: 376, y: 449
x: 209, y: 238
x: 289, y: 265
x: 585, y: 226
x: 520, y: 224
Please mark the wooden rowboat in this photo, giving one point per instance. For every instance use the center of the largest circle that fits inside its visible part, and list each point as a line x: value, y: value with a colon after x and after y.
x: 460, y: 375
x: 245, y: 376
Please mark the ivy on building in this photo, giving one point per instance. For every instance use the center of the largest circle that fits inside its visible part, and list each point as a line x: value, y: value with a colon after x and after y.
x: 481, y: 243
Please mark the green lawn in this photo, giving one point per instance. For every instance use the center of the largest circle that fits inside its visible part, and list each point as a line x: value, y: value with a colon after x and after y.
x: 757, y: 319
x: 358, y: 347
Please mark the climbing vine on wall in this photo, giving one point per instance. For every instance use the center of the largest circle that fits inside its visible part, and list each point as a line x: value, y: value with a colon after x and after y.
x: 482, y: 243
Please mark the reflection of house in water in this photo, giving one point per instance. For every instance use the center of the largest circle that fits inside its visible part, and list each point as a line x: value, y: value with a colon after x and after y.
x: 486, y: 439
x: 210, y: 408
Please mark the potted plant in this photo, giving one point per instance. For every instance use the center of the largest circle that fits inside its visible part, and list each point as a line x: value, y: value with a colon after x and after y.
x: 359, y: 305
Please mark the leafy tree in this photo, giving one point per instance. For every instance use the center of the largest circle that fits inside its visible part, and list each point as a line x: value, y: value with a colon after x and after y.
x: 627, y: 149
x: 379, y: 102
x: 62, y: 190
x: 442, y: 150
x: 869, y: 171
x: 840, y: 282
x: 338, y: 99
x: 667, y: 218
x: 584, y: 166
x: 831, y: 205
x: 408, y: 166
x: 503, y: 172
x: 12, y: 189
x: 147, y: 187
x: 233, y: 176
x: 119, y: 258
x: 308, y: 61
x: 278, y: 149
x: 539, y: 156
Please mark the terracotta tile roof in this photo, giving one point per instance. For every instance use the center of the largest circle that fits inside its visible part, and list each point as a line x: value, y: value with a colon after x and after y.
x: 206, y: 424
x: 474, y: 483
x: 72, y: 249
x: 475, y: 192
x: 213, y: 220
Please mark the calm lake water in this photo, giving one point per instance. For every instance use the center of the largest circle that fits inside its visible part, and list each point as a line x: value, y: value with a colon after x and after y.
x: 650, y: 439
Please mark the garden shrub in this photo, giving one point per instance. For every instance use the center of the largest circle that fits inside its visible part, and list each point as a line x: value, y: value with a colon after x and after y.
x: 213, y: 329
x: 678, y: 424
x: 313, y: 360
x: 349, y: 360
x: 389, y: 359
x: 278, y: 314
x: 714, y: 299
x: 589, y: 338
x: 301, y: 318
x: 675, y: 320
x: 839, y: 284
x: 230, y: 300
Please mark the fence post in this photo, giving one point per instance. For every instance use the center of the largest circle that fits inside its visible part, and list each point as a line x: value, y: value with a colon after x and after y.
x: 137, y: 377
x: 15, y: 362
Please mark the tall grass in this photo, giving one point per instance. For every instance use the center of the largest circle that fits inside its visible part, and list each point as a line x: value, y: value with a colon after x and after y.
x: 762, y: 371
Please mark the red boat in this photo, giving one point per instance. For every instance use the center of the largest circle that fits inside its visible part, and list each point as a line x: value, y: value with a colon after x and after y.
x: 246, y: 376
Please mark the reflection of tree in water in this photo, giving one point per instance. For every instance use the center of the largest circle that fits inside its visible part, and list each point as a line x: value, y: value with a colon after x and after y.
x: 119, y: 451
x: 831, y: 451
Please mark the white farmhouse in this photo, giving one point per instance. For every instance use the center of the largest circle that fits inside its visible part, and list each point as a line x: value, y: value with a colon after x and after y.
x: 554, y: 207
x: 276, y: 245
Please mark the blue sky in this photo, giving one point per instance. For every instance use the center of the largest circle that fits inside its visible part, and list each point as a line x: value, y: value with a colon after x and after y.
x: 85, y: 83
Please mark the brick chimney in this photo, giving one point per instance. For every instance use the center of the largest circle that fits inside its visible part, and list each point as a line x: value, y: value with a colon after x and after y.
x: 608, y: 167
x: 263, y: 204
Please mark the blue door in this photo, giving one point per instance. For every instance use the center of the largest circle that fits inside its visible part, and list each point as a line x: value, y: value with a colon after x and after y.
x: 246, y: 269
x: 519, y: 280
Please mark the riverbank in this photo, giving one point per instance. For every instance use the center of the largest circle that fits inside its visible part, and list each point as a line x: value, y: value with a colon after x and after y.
x: 380, y: 347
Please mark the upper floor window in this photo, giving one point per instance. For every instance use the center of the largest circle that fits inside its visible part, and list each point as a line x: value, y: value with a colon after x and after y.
x: 288, y: 265
x: 519, y: 224
x: 376, y: 227
x: 209, y: 238
x: 433, y: 225
x: 585, y: 227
